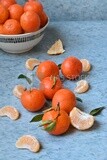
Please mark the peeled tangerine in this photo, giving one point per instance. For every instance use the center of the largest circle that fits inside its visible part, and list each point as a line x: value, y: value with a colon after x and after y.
x: 81, y: 120
x: 82, y: 86
x: 86, y: 66
x: 31, y: 63
x: 10, y: 112
x: 28, y: 142
x: 18, y: 90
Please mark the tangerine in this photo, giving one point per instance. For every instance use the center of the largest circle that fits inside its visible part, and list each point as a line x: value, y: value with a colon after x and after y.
x: 7, y: 3
x: 30, y: 21
x: 47, y: 68
x: 71, y: 67
x: 32, y: 100
x: 16, y: 11
x: 12, y: 26
x: 50, y: 85
x: 33, y: 5
x: 1, y: 29
x: 4, y: 14
x: 66, y: 98
x: 43, y: 18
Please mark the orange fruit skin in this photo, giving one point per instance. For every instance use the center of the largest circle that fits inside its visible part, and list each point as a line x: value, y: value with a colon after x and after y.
x: 65, y: 98
x: 1, y: 29
x: 35, y: 6
x: 12, y: 26
x: 16, y: 11
x: 46, y: 86
x: 30, y: 21
x: 4, y: 14
x: 46, y: 69
x: 7, y: 3
x: 62, y: 122
x: 32, y: 100
x: 71, y: 68
x: 43, y: 19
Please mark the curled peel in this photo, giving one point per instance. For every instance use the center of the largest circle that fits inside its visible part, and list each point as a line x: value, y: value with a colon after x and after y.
x: 82, y: 86
x: 56, y: 48
x: 10, y: 112
x: 28, y: 142
x: 86, y: 66
x: 81, y: 120
x: 18, y: 90
x: 31, y: 63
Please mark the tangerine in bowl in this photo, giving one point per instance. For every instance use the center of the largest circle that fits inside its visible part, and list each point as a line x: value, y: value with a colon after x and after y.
x: 22, y: 26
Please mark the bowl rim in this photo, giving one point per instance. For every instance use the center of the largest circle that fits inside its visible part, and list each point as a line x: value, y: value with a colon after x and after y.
x: 26, y: 34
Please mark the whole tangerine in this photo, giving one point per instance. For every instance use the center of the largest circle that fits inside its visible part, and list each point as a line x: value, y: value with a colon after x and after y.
x: 71, y: 68
x: 47, y: 68
x: 7, y: 3
x: 30, y: 21
x: 16, y: 11
x: 32, y: 100
x: 33, y: 5
x: 50, y: 85
x: 4, y: 14
x: 59, y: 118
x: 66, y: 98
x: 12, y: 26
x: 43, y: 19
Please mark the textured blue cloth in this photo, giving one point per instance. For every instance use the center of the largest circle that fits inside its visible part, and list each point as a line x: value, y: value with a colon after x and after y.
x: 83, y: 40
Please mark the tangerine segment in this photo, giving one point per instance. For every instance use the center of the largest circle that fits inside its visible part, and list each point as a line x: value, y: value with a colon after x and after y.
x: 12, y: 26
x: 28, y: 142
x: 31, y: 63
x: 18, y: 90
x: 30, y: 21
x: 82, y: 86
x: 4, y: 14
x: 10, y: 112
x: 56, y: 48
x: 86, y: 66
x: 81, y: 120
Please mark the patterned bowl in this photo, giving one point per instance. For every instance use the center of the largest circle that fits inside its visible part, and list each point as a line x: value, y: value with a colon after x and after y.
x: 22, y: 42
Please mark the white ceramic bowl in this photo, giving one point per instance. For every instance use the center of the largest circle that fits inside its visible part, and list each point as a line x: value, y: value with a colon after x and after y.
x: 22, y: 42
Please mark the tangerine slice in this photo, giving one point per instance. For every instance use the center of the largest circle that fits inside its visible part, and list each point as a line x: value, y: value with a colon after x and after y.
x: 56, y: 48
x: 18, y: 90
x: 86, y: 66
x: 81, y: 120
x: 31, y: 63
x: 82, y: 86
x: 10, y: 112
x: 28, y: 142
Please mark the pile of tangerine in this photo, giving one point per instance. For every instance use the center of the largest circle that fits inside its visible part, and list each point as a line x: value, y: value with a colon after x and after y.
x: 18, y: 19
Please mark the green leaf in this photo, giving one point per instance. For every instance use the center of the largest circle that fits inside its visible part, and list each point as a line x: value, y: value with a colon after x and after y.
x: 50, y: 127
x: 79, y: 99
x: 54, y: 82
x: 37, y: 118
x: 59, y: 66
x: 25, y: 77
x: 96, y: 111
x: 45, y: 122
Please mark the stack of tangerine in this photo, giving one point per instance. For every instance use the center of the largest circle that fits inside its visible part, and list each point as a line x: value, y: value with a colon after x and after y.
x: 17, y: 19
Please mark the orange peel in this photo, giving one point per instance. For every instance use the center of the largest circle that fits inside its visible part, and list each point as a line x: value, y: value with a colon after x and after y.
x: 31, y: 63
x: 28, y: 142
x: 10, y: 112
x: 18, y: 90
x: 81, y: 120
